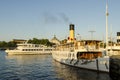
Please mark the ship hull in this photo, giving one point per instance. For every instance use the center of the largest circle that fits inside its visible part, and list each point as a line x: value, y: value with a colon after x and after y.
x: 100, y: 64
x: 18, y: 52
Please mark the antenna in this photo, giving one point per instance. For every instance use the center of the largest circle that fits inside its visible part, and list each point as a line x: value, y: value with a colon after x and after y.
x: 78, y: 37
x: 92, y: 31
x: 111, y: 32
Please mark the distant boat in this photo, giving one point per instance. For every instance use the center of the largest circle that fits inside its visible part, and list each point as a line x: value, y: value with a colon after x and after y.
x: 26, y: 48
x: 114, y: 49
x: 85, y: 54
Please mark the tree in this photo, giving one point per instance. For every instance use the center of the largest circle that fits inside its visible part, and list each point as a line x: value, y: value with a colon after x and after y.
x: 4, y: 44
x: 40, y: 41
x: 64, y: 41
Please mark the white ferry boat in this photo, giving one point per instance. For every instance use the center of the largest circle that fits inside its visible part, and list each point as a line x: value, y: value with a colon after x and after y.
x: 83, y: 53
x: 114, y: 47
x: 114, y: 50
x: 29, y: 49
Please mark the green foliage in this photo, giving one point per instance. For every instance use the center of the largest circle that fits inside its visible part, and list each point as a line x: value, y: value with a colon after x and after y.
x: 4, y: 44
x: 40, y: 41
x: 46, y: 42
x: 11, y: 44
x: 64, y: 41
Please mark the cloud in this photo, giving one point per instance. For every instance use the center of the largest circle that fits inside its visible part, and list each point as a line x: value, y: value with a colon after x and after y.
x: 64, y: 17
x: 50, y: 18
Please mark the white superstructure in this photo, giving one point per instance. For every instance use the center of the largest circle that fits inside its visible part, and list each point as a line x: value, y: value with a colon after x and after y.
x: 30, y: 49
x: 84, y: 54
x: 113, y: 49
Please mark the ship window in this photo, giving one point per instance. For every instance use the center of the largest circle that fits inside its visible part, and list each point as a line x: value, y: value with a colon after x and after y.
x: 118, y: 33
x: 79, y: 54
x: 40, y: 49
x: 118, y: 40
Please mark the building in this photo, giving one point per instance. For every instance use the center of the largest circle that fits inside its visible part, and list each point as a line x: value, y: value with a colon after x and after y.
x: 19, y: 41
x: 55, y: 40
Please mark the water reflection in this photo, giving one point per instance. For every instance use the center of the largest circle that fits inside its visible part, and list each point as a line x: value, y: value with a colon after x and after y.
x: 26, y: 59
x: 71, y: 73
x: 26, y: 67
x: 42, y: 67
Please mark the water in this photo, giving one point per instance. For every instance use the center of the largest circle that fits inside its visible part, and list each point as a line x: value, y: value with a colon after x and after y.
x: 42, y: 67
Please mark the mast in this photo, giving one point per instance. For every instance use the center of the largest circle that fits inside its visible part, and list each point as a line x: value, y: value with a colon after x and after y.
x: 107, y: 14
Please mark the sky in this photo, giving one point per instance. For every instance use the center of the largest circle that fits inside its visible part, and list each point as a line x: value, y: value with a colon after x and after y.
x: 27, y: 19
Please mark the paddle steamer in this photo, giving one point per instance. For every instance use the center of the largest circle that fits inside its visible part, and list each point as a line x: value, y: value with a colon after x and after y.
x: 82, y: 53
